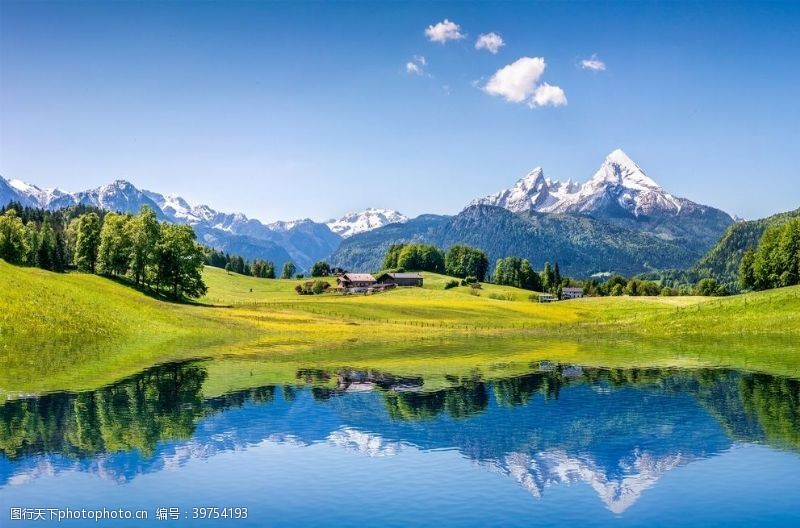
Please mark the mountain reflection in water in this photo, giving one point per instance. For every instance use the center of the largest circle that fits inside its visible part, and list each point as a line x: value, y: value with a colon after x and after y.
x: 617, y: 430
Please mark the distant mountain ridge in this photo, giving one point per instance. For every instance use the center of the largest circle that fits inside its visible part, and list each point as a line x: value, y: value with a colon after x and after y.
x: 620, y: 221
x: 233, y: 233
x: 580, y: 244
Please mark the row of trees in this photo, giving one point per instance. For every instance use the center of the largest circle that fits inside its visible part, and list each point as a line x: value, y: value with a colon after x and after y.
x: 161, y: 256
x: 259, y: 268
x: 776, y: 260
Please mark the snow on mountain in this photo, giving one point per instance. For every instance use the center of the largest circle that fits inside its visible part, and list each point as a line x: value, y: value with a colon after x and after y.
x: 284, y: 226
x: 27, y: 194
x: 119, y: 195
x: 534, y: 191
x: 619, y: 186
x: 547, y: 468
x: 367, y: 220
x: 302, y: 241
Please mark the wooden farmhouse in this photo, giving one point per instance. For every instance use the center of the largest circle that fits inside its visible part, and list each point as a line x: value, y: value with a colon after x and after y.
x: 356, y: 280
x: 401, y: 279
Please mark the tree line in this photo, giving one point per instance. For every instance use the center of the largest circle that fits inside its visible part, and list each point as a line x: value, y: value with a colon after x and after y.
x: 472, y: 263
x: 259, y: 268
x: 160, y: 256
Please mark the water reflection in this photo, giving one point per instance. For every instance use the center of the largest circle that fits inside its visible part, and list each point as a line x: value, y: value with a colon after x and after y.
x: 617, y: 430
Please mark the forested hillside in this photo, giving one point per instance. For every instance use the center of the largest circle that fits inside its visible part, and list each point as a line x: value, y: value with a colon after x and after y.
x: 723, y: 260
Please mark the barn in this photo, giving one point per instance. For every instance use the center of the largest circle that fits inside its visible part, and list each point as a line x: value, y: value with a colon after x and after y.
x: 401, y: 279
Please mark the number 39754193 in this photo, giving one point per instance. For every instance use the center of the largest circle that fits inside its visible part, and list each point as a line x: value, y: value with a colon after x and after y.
x: 214, y: 512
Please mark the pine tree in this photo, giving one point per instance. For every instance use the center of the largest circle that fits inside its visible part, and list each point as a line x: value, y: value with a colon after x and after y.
x: 45, y: 253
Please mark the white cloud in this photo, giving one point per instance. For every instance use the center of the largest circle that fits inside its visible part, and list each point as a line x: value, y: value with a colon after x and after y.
x: 593, y: 63
x: 492, y: 42
x: 416, y: 66
x: 444, y: 31
x: 548, y: 95
x: 516, y: 81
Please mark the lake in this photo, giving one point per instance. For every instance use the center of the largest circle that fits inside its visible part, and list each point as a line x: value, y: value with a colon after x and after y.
x: 558, y: 445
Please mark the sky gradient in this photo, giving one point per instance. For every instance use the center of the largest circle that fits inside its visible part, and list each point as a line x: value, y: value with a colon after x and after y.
x: 290, y: 110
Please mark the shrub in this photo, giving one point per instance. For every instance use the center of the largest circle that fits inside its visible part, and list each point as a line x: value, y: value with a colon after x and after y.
x: 502, y: 296
x: 450, y: 284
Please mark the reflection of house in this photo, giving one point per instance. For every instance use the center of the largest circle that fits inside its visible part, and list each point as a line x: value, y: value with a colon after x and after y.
x: 356, y: 280
x: 571, y: 293
x: 401, y: 279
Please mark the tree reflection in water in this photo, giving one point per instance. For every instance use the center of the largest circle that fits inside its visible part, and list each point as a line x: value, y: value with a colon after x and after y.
x: 166, y: 403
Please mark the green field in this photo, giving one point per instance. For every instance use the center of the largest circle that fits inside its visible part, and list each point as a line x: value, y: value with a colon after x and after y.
x: 77, y: 331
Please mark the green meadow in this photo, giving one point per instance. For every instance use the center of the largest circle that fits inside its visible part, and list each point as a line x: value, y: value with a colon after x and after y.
x: 78, y: 331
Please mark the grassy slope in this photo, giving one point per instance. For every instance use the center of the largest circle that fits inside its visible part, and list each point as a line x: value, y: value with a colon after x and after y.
x: 80, y: 331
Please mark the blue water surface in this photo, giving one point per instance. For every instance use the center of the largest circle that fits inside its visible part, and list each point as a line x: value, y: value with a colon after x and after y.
x: 563, y: 446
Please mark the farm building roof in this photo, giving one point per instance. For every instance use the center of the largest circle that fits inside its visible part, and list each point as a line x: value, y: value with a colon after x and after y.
x: 359, y: 277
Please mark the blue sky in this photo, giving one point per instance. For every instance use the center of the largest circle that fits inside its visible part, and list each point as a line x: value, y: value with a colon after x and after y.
x: 287, y: 110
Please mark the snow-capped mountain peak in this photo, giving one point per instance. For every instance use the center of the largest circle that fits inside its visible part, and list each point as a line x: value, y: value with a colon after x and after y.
x: 620, y: 187
x: 366, y: 220
x: 619, y: 169
x: 531, y: 192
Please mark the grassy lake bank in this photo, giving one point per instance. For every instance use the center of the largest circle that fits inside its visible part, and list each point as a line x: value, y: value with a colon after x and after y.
x: 78, y: 332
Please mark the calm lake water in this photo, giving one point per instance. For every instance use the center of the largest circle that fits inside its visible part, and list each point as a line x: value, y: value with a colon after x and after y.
x: 562, y: 446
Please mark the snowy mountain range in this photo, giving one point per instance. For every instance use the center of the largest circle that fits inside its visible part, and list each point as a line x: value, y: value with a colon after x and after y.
x: 636, y: 225
x: 302, y: 241
x: 367, y: 220
x: 619, y: 188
